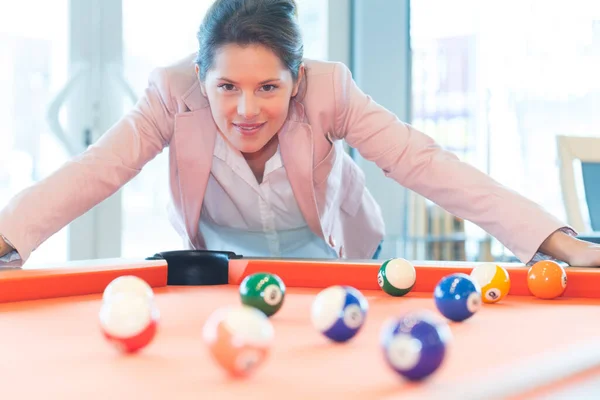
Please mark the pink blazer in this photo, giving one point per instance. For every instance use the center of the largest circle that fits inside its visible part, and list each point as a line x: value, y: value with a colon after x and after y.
x: 328, y: 185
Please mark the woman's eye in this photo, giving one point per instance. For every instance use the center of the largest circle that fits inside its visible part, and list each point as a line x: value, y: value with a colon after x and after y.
x: 227, y: 87
x: 269, y: 88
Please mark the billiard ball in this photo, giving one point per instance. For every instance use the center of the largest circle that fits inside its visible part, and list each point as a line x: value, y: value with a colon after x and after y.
x: 339, y: 312
x: 493, y: 280
x: 415, y: 344
x: 129, y: 322
x: 457, y: 297
x: 263, y: 291
x: 128, y: 284
x: 547, y: 279
x: 239, y: 338
x: 397, y: 276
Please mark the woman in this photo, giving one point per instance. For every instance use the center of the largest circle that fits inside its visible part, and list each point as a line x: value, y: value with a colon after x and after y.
x: 257, y: 165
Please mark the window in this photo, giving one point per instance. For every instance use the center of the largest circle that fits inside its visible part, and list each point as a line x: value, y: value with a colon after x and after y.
x: 34, y: 48
x: 496, y: 81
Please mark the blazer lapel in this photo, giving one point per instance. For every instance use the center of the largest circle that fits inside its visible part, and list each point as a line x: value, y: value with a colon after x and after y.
x: 195, y: 134
x: 296, y: 146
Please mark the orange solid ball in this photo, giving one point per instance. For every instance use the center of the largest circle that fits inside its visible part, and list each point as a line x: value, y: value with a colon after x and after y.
x: 546, y: 279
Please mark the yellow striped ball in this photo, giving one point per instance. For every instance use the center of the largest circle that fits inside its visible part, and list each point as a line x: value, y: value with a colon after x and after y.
x: 493, y: 280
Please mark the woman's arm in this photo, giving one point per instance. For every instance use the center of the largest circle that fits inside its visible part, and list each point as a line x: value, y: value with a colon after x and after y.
x: 42, y: 209
x: 576, y: 252
x: 417, y: 162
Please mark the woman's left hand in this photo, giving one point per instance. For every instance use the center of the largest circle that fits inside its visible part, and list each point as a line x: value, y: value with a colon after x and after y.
x: 575, y: 252
x: 586, y: 255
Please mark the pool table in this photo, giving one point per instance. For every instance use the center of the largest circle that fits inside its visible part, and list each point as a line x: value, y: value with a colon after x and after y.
x: 521, y: 348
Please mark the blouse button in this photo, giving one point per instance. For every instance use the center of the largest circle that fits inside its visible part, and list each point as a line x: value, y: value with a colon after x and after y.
x: 331, y: 241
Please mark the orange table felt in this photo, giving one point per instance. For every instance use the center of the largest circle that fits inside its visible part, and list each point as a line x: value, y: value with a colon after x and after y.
x: 52, y: 347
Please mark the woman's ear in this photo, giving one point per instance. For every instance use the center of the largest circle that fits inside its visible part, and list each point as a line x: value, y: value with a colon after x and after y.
x: 202, y: 88
x: 299, y: 80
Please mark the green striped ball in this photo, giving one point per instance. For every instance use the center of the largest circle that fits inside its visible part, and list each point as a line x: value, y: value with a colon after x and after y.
x: 397, y: 276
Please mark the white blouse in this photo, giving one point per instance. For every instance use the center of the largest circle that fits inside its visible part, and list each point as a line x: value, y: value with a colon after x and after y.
x: 252, y: 219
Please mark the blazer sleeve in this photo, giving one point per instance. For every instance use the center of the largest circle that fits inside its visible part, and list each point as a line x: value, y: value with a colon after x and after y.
x: 39, y: 211
x: 416, y: 161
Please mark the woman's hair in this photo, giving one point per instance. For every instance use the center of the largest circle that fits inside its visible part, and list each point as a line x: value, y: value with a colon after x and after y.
x: 271, y: 23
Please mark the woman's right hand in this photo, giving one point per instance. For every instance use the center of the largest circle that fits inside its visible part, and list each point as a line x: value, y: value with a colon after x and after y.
x: 4, y: 247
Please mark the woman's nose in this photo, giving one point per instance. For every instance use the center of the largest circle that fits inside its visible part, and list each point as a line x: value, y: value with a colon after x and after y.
x: 248, y: 106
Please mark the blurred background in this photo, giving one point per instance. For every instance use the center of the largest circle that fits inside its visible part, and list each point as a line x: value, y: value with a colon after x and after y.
x: 497, y: 82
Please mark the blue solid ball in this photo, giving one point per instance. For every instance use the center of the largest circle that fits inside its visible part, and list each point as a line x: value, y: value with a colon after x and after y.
x: 457, y: 297
x: 415, y: 345
x: 339, y: 312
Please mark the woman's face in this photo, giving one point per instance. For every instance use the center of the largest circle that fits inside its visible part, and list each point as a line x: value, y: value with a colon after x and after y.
x: 249, y: 91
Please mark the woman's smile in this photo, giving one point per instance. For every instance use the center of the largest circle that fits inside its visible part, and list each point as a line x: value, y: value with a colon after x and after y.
x: 247, y: 129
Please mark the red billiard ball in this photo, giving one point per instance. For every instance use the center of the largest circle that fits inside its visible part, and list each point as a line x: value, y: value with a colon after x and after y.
x: 129, y: 322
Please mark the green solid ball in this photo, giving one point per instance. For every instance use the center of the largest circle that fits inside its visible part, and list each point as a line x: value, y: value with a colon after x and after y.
x: 397, y: 276
x: 263, y: 291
